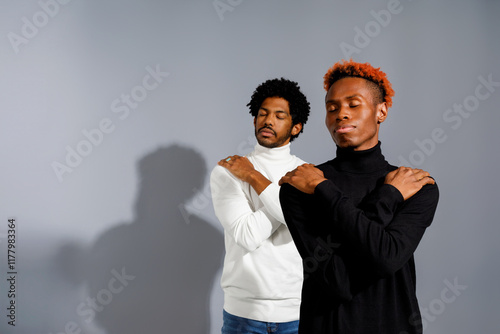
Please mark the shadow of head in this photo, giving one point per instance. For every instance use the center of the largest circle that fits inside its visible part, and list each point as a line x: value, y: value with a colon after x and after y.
x: 155, y: 274
x: 168, y: 177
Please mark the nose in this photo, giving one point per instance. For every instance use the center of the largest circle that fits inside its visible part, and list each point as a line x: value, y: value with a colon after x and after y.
x: 268, y: 120
x: 343, y: 113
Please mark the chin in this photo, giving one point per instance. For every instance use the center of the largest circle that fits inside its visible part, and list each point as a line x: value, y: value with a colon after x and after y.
x: 345, y: 144
x: 341, y: 143
x: 265, y: 143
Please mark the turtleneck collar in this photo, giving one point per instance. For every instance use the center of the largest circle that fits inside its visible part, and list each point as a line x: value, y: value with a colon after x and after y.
x: 276, y: 154
x: 366, y: 161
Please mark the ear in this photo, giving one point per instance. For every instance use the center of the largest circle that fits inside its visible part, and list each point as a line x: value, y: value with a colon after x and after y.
x: 381, y: 112
x: 254, y: 121
x: 296, y: 129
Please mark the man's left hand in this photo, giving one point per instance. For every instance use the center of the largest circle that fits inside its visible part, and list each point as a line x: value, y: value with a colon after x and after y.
x: 305, y: 178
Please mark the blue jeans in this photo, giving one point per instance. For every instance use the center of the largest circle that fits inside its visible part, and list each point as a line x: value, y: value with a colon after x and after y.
x: 237, y: 325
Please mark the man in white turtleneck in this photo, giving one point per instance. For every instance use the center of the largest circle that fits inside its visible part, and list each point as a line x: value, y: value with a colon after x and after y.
x: 262, y: 274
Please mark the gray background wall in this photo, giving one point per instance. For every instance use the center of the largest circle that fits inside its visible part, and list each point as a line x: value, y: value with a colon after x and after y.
x: 105, y: 166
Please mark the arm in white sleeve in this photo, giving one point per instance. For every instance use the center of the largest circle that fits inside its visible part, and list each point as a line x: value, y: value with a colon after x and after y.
x: 270, y: 197
x: 248, y: 226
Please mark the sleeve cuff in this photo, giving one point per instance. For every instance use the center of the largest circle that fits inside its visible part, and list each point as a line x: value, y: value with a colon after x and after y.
x: 270, y: 199
x: 327, y: 192
x: 390, y: 195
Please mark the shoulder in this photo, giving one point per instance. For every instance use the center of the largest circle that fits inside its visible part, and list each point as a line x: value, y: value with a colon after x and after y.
x: 426, y: 199
x: 430, y: 191
x: 296, y: 161
x: 289, y: 191
x: 390, y: 167
x: 220, y: 173
x: 327, y: 165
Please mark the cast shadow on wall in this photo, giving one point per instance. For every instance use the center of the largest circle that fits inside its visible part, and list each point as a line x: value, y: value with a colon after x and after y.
x: 155, y: 274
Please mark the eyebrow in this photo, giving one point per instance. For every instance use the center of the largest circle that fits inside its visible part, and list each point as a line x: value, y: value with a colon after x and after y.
x: 277, y: 111
x: 353, y: 96
x: 347, y: 98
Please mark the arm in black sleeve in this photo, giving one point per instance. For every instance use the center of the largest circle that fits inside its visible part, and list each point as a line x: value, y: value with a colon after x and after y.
x: 319, y: 246
x: 387, y: 246
x: 381, y: 204
x: 317, y: 249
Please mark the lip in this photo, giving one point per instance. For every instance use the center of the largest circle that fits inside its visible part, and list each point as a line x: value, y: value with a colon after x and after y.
x: 344, y: 128
x: 267, y: 132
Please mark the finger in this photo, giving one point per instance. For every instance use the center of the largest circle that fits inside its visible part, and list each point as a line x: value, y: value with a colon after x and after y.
x: 235, y: 158
x: 403, y: 171
x: 225, y: 161
x: 427, y: 180
x: 306, y: 167
x: 411, y: 171
x: 311, y: 167
x: 392, y: 173
x: 421, y: 174
x: 284, y: 179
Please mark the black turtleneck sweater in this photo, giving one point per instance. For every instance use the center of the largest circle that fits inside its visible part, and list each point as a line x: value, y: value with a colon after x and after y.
x: 356, y: 236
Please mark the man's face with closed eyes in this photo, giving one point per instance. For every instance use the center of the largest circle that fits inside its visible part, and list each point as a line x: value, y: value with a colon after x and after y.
x: 352, y: 116
x: 273, y: 123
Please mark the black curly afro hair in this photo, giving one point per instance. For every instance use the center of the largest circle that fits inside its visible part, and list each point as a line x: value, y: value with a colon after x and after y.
x: 286, y: 89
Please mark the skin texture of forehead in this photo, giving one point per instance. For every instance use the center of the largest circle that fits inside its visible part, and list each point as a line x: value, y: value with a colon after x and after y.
x: 375, y: 91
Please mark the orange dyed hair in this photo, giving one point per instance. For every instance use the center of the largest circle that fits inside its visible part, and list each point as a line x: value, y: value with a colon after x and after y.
x: 366, y: 71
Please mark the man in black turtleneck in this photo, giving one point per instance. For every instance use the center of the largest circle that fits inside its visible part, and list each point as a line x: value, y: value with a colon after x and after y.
x: 356, y: 220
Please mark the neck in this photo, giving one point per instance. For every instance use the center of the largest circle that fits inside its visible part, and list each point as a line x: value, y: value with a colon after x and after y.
x: 364, y: 161
x: 276, y: 154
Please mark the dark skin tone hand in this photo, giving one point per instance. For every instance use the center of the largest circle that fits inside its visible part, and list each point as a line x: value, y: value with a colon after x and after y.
x: 408, y: 180
x: 243, y: 169
x: 305, y: 178
x: 405, y: 179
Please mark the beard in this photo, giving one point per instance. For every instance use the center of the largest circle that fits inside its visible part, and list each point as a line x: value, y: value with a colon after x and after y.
x: 273, y: 142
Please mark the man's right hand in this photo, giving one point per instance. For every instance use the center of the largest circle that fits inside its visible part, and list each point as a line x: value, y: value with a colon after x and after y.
x: 244, y: 170
x: 239, y: 166
x: 408, y: 180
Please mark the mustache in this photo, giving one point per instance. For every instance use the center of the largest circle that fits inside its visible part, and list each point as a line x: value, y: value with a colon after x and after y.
x: 267, y: 127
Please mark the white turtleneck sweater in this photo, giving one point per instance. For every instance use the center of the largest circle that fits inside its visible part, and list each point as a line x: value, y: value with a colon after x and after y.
x: 262, y: 274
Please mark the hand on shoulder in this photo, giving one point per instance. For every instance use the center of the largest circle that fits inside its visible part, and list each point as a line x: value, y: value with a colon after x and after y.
x: 305, y: 178
x: 408, y: 180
